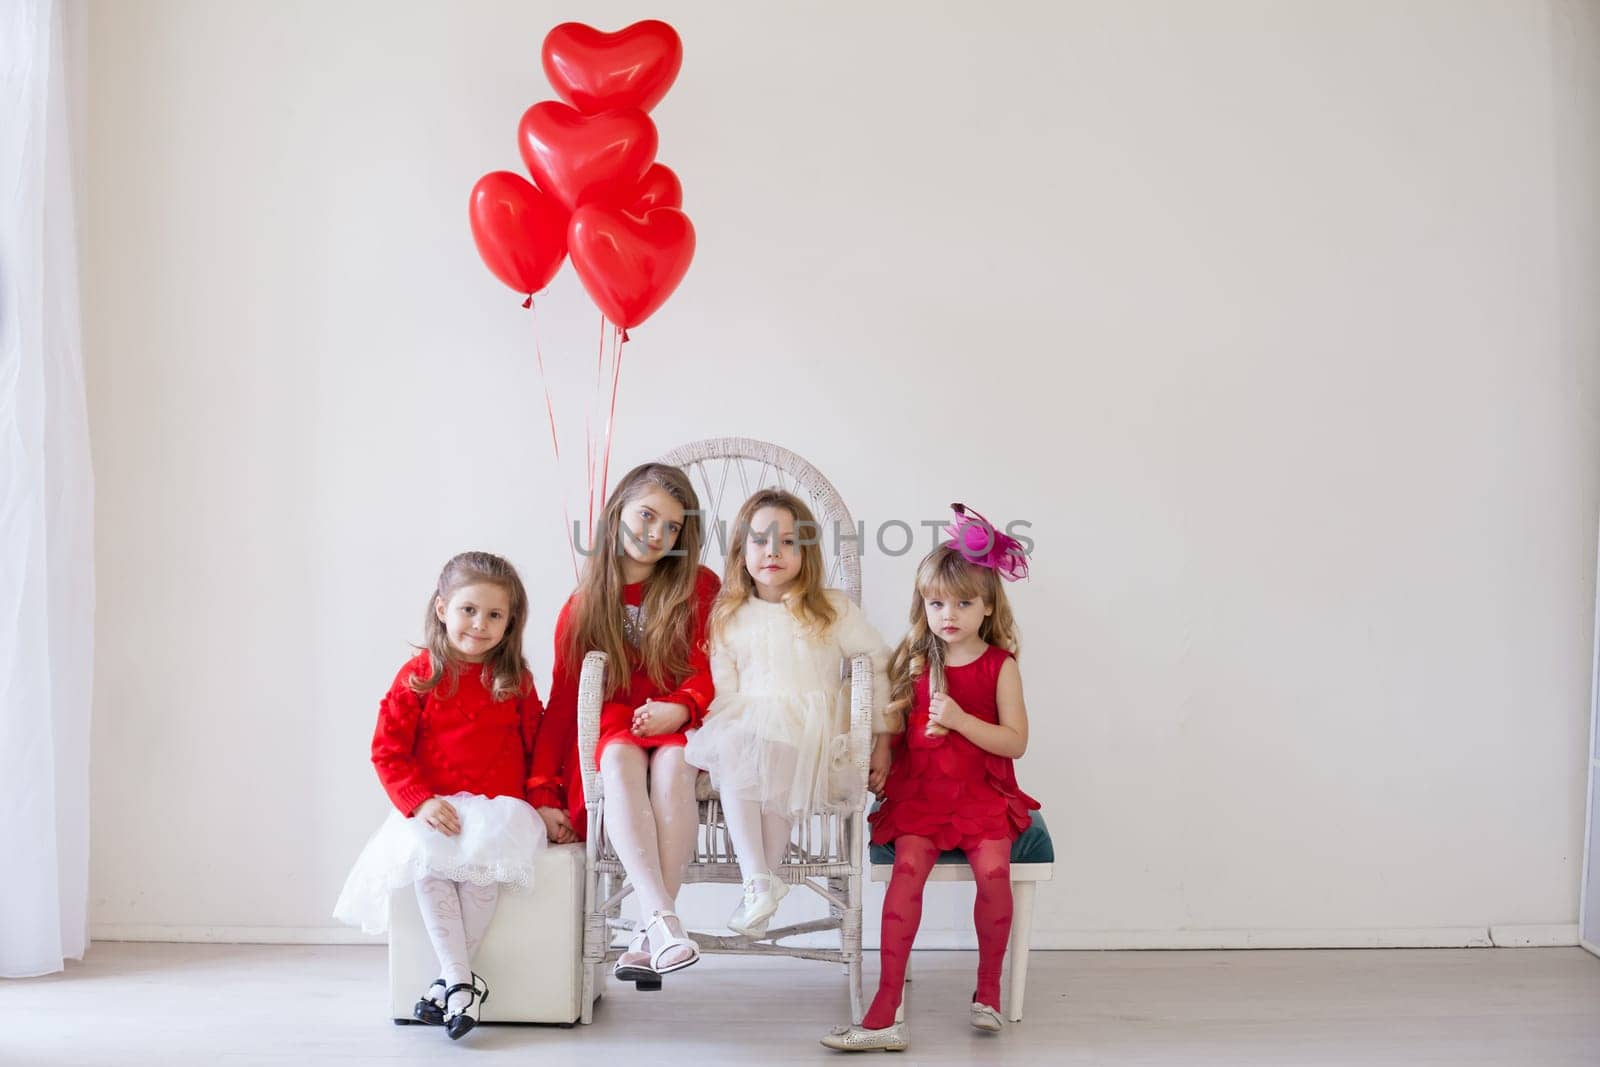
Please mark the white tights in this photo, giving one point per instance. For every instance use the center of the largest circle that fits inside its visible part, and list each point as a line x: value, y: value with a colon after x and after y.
x: 456, y: 915
x: 652, y: 820
x: 760, y: 838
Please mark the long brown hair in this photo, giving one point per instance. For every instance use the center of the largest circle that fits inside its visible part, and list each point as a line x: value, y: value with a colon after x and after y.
x: 808, y: 600
x: 668, y: 606
x: 503, y: 670
x: 944, y: 572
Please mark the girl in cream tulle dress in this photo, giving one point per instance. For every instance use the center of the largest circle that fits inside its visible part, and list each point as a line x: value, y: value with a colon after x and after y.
x: 776, y: 737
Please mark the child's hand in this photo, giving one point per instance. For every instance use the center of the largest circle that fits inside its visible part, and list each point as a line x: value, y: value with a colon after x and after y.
x: 438, y: 813
x: 557, y: 826
x: 654, y: 718
x: 944, y: 715
x: 878, y: 768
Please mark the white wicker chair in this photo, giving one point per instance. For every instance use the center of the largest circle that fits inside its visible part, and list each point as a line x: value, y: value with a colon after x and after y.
x: 826, y: 854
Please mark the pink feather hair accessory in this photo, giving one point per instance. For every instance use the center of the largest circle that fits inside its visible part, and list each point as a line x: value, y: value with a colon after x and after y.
x: 982, y: 545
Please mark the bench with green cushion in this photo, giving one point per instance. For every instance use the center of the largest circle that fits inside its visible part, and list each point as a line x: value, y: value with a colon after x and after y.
x: 1034, y: 846
x: 1032, y: 860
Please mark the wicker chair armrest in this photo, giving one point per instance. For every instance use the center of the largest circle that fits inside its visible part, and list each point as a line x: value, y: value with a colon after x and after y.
x: 591, y: 687
x: 861, y: 714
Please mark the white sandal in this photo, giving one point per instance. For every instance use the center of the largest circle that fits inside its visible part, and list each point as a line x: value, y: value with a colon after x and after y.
x: 668, y: 942
x: 634, y: 963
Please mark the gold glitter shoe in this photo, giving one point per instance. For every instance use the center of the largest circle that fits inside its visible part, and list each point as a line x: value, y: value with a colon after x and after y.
x: 854, y: 1039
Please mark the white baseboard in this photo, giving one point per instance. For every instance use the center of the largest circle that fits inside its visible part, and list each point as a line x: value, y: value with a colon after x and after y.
x: 1043, y: 940
x: 1546, y: 936
x: 1111, y: 940
x: 235, y: 935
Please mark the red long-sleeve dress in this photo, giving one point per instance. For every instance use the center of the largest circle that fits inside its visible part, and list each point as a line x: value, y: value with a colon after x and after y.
x: 456, y: 739
x: 555, y: 778
x: 459, y: 743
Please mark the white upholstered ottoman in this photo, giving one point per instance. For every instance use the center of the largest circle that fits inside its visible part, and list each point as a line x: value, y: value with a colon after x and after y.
x: 531, y: 957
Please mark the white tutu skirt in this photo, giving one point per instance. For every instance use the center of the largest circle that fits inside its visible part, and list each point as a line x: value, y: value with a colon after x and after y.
x: 500, y: 839
x: 790, y: 752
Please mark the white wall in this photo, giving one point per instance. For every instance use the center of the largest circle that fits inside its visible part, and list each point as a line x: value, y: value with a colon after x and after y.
x: 1277, y: 321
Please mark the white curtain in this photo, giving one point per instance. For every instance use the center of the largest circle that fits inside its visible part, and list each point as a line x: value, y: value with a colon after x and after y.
x: 46, y: 501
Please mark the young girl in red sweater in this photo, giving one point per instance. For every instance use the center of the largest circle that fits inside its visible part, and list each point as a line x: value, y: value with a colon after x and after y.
x: 451, y: 749
x: 643, y: 599
x: 950, y: 783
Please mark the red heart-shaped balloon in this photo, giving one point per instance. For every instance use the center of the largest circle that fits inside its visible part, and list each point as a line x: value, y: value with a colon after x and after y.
x: 628, y: 264
x: 596, y: 71
x: 580, y: 159
x: 659, y: 187
x: 521, y: 233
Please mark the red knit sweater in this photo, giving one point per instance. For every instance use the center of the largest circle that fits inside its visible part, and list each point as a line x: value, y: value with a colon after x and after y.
x: 455, y: 739
x: 556, y: 777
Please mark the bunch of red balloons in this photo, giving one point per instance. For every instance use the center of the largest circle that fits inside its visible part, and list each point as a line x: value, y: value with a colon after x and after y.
x: 597, y: 193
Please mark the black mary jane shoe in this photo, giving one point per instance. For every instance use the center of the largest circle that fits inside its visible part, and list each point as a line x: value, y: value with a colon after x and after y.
x: 459, y: 1024
x: 429, y: 1011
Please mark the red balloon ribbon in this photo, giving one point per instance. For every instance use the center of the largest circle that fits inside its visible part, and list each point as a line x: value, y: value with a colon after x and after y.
x: 555, y: 444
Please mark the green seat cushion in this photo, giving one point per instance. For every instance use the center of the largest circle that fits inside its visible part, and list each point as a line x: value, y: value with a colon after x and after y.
x: 1033, y: 846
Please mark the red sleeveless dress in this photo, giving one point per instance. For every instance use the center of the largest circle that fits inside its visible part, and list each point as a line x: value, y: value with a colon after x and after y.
x: 947, y: 788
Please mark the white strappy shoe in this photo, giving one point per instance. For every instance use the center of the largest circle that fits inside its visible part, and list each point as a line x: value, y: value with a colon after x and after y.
x: 634, y: 964
x: 663, y: 941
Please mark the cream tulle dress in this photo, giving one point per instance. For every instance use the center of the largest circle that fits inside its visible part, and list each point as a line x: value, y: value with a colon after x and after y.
x: 778, y: 730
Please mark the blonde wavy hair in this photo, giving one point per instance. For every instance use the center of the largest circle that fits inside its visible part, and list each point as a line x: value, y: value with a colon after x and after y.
x: 946, y: 574
x: 504, y: 672
x: 668, y: 606
x: 808, y: 600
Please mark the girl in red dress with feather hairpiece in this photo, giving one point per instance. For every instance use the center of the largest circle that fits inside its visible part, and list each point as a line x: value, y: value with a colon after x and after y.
x: 947, y: 779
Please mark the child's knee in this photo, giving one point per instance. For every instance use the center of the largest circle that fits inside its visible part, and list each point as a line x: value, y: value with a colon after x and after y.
x: 669, y: 782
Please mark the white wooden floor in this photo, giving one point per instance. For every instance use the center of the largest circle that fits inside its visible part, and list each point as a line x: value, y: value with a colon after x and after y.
x: 246, y: 1004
